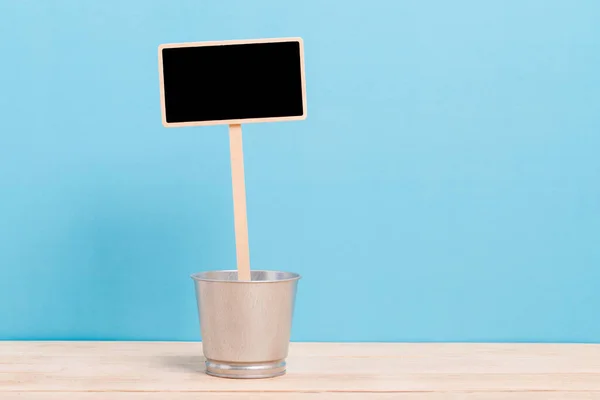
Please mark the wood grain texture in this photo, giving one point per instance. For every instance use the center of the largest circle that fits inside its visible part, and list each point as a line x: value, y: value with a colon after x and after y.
x: 242, y: 245
x: 156, y: 370
x: 301, y: 396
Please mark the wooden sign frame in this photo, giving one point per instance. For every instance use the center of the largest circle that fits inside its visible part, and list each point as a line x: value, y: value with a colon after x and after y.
x: 229, y: 121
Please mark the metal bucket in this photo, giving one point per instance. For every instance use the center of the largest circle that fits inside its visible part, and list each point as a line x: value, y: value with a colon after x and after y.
x: 245, y: 325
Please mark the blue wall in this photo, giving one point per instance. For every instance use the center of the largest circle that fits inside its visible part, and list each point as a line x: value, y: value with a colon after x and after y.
x: 445, y: 186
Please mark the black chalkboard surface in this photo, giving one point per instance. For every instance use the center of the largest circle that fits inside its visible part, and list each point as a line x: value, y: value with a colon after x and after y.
x: 232, y: 82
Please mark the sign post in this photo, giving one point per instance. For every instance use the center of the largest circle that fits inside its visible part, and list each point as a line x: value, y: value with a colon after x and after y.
x: 239, y: 202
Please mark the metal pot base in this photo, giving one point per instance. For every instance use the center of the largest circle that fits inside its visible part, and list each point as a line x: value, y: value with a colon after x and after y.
x: 224, y: 369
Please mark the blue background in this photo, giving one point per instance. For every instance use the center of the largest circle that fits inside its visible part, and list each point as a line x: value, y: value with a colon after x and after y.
x: 445, y: 186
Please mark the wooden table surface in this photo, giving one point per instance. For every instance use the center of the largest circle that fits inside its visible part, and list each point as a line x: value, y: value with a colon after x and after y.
x: 174, y: 370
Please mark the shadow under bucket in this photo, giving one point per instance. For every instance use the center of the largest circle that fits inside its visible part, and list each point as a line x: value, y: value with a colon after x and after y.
x: 245, y: 325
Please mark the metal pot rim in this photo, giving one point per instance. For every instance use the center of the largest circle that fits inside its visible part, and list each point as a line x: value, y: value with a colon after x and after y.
x: 230, y: 276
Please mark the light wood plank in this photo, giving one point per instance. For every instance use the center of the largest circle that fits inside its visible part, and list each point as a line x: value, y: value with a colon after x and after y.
x: 313, y: 368
x: 304, y: 396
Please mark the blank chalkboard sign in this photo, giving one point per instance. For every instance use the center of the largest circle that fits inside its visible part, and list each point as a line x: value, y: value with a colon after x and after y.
x: 232, y: 82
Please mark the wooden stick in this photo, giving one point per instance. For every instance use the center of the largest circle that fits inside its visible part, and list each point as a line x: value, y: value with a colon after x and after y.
x: 239, y: 202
